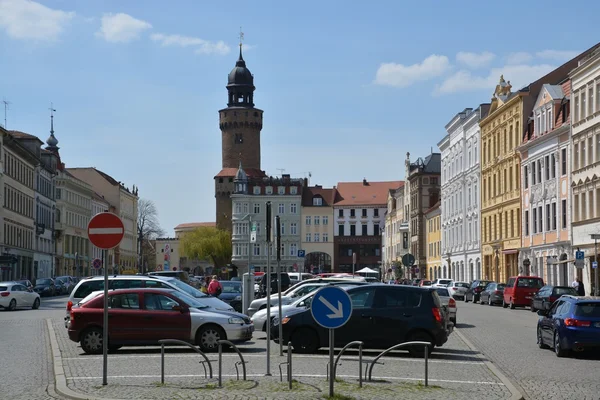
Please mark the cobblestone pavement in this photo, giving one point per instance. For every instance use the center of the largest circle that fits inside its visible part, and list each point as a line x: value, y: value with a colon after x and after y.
x: 455, y: 371
x: 508, y: 338
x: 27, y: 369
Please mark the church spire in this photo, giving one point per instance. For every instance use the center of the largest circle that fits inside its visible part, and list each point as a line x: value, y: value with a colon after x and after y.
x: 52, y: 142
x: 241, y: 37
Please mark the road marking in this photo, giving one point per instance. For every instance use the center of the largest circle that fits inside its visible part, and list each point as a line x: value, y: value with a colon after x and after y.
x: 105, y: 231
x: 323, y: 357
x: 391, y: 378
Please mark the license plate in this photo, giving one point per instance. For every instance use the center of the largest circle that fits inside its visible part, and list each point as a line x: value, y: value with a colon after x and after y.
x: 528, y: 297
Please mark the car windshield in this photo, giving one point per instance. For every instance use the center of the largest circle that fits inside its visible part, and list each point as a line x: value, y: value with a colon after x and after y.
x: 501, y: 286
x: 442, y: 292
x: 43, y: 281
x: 231, y: 287
x: 588, y: 310
x: 461, y: 284
x: 307, y: 299
x: 192, y: 291
x: 444, y: 281
x: 484, y: 283
x: 189, y: 300
x: 62, y: 279
x: 565, y: 290
x: 529, y: 282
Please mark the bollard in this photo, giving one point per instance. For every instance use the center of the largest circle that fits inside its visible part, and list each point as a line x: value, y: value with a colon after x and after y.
x: 220, y: 365
x: 289, y: 355
x: 360, y: 365
x: 426, y: 359
x: 162, y: 364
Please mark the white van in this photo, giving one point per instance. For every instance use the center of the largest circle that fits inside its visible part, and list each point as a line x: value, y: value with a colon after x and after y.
x: 295, y: 277
x: 86, y: 286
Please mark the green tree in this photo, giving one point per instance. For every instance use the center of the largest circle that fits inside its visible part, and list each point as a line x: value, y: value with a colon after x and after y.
x: 208, y: 243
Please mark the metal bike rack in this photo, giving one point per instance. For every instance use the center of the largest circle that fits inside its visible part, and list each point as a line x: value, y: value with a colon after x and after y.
x: 398, y: 346
x: 181, y: 342
x: 289, y: 366
x: 360, y: 360
x: 242, y: 362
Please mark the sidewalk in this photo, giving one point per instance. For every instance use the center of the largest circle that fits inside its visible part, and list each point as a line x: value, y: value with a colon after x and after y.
x: 135, y: 374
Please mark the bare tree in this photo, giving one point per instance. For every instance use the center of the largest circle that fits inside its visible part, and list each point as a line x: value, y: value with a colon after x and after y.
x: 148, y: 227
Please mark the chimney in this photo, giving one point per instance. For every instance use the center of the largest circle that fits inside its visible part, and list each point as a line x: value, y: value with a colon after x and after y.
x: 305, y: 182
x: 365, y: 183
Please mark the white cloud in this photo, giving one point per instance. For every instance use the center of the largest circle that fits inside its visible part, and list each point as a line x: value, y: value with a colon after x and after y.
x: 202, y: 46
x: 519, y: 57
x: 121, y: 28
x: 558, y: 55
x: 475, y: 60
x: 399, y: 75
x: 26, y: 19
x: 518, y: 75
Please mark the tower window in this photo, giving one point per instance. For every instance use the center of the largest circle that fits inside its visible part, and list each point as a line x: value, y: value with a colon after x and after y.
x: 239, y: 138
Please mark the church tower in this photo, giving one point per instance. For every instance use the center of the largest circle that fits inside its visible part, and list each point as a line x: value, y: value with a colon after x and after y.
x: 240, y: 125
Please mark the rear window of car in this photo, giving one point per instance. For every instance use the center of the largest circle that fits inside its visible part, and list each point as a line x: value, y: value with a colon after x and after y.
x: 3, y: 288
x: 565, y: 290
x: 442, y: 292
x: 529, y: 283
x: 501, y: 286
x: 588, y: 310
x: 87, y: 287
x: 43, y: 282
x: 436, y: 299
x: 484, y: 283
x: 461, y: 284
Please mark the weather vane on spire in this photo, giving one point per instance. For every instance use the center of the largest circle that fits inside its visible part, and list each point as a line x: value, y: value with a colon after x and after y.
x: 241, y: 36
x: 52, y: 111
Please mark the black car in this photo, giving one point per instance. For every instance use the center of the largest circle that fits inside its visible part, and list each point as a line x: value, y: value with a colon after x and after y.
x: 27, y: 283
x: 492, y: 294
x: 382, y: 316
x: 232, y: 294
x: 548, y: 294
x: 45, y: 287
x: 285, y: 283
x: 474, y: 291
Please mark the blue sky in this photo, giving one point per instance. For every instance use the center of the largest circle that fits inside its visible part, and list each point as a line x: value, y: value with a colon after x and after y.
x: 347, y: 87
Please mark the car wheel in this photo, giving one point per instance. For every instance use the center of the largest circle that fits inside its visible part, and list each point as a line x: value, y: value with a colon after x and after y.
x: 419, y: 351
x: 533, y: 308
x: 453, y: 320
x: 481, y: 301
x: 36, y: 304
x: 12, y: 306
x: 91, y: 341
x: 540, y: 341
x: 208, y: 337
x: 504, y: 305
x: 560, y: 352
x: 512, y: 304
x: 305, y: 341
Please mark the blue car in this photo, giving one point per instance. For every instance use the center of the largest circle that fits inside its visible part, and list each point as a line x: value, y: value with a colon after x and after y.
x: 571, y: 324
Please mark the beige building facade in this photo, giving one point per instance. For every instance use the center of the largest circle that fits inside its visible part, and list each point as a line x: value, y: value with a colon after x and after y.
x: 395, y: 237
x: 316, y: 232
x: 433, y: 223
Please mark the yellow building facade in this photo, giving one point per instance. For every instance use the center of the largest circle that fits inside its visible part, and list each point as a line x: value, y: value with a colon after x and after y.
x: 500, y: 177
x: 433, y: 222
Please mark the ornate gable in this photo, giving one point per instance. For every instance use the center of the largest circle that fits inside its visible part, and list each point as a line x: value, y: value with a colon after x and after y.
x: 501, y: 94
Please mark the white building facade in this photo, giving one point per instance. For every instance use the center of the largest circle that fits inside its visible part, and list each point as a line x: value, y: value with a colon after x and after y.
x: 461, y: 210
x: 249, y: 205
x: 45, y: 215
x: 99, y: 205
x: 585, y: 142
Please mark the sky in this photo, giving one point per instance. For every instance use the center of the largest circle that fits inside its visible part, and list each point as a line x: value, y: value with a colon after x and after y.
x: 347, y: 88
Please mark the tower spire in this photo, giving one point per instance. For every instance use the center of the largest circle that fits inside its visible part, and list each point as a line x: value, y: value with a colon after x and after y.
x: 241, y: 37
x: 52, y: 142
x: 52, y: 110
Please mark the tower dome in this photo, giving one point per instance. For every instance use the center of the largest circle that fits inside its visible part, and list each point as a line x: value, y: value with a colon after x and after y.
x: 240, y: 84
x: 240, y: 181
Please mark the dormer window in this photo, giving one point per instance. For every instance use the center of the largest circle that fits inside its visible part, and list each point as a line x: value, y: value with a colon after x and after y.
x: 281, y: 190
x: 269, y: 190
x: 317, y: 201
x: 293, y: 190
x: 256, y: 190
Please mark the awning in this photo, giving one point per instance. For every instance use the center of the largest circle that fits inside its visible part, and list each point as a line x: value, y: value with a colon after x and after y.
x: 510, y: 251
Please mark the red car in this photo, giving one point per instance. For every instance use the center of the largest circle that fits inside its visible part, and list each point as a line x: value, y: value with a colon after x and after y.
x: 142, y: 317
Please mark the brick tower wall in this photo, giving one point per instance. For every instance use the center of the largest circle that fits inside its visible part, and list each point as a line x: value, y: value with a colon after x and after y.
x: 223, y: 191
x: 246, y: 122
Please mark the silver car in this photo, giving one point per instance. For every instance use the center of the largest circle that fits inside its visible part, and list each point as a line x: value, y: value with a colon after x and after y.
x: 448, y: 303
x: 259, y: 318
x: 458, y: 289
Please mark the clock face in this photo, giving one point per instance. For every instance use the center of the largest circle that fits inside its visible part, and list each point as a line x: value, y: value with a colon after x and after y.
x: 239, y: 138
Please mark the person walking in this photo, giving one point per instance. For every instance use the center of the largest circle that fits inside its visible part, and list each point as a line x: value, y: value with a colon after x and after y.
x: 580, y: 288
x: 215, y: 288
x: 204, y: 284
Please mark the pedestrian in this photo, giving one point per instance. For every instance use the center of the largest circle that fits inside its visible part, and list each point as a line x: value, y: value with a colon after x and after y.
x: 580, y: 288
x: 575, y: 284
x: 215, y: 288
x: 204, y: 284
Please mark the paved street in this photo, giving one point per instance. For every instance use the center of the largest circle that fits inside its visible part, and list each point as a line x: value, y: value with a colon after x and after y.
x: 507, y: 338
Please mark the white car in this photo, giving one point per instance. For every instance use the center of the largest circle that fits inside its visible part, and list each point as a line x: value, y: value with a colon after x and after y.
x: 441, y: 282
x: 259, y: 318
x: 457, y: 289
x: 13, y: 295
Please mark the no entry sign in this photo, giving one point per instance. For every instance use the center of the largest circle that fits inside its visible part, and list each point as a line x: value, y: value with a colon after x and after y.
x: 106, y: 230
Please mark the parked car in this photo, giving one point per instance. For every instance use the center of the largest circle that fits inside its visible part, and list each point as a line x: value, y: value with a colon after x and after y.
x: 458, y: 289
x: 45, y: 287
x: 144, y: 316
x: 548, y: 294
x: 441, y: 282
x: 424, y: 283
x: 295, y: 277
x: 474, y: 291
x: 285, y: 284
x: 571, y: 324
x: 259, y: 318
x: 377, y: 308
x: 448, y: 303
x: 92, y: 284
x: 25, y: 282
x: 519, y: 291
x: 492, y: 294
x: 232, y: 294
x: 181, y: 275
x: 13, y: 295
x: 67, y: 281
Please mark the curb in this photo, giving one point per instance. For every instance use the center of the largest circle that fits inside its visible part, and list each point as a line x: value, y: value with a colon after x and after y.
x: 515, y: 393
x: 60, y: 380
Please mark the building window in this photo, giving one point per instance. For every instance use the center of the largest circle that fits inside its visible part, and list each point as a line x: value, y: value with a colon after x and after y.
x: 575, y: 208
x: 526, y: 176
x: 308, y: 237
x: 293, y: 208
x: 325, y: 237
x: 280, y: 189
x: 281, y: 208
x: 256, y: 208
x: 376, y: 230
x: 317, y: 201
x: 405, y: 240
x: 238, y: 208
x: 293, y: 228
x: 548, y: 226
x: 540, y: 220
x: 563, y: 162
x: 526, y: 222
x: 269, y: 190
x: 256, y: 190
x: 353, y: 230
x: 317, y: 237
x: 552, y: 166
x: 256, y: 250
x: 340, y: 213
x: 547, y: 167
x: 353, y: 213
x: 376, y: 212
x: 293, y: 190
x: 364, y: 230
x: 583, y: 102
x: 340, y: 230
x: 282, y: 225
x: 293, y: 249
x: 317, y: 220
x: 325, y: 220
x: 364, y: 212
x: 576, y: 109
x: 534, y: 223
x: 307, y: 220
x: 553, y: 216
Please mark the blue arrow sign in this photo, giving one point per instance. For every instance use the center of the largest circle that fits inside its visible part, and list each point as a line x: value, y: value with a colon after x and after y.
x: 331, y: 307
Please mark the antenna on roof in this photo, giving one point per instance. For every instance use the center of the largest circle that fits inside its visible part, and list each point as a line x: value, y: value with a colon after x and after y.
x: 282, y: 170
x: 6, y: 103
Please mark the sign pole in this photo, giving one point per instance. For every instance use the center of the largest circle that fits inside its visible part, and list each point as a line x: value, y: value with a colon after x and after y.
x: 278, y: 241
x: 353, y: 262
x: 105, y: 324
x: 596, y: 289
x: 331, y: 363
x: 268, y: 288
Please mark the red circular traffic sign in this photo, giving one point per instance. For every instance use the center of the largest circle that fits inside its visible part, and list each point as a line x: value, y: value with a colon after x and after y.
x: 106, y: 230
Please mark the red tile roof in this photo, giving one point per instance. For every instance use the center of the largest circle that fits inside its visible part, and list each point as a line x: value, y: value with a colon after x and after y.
x: 230, y: 173
x: 364, y: 193
x: 23, y: 135
x: 192, y: 225
x: 328, y: 195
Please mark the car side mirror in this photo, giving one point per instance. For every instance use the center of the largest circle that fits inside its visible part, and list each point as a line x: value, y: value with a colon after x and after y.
x: 177, y: 307
x: 542, y: 313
